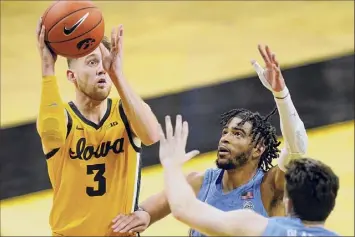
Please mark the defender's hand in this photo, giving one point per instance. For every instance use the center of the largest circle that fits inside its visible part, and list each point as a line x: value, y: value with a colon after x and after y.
x: 137, y: 222
x: 271, y: 76
x: 172, y: 147
x: 47, y: 57
x: 112, y: 61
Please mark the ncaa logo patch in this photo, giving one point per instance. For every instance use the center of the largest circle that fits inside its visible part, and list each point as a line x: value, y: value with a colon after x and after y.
x: 248, y: 205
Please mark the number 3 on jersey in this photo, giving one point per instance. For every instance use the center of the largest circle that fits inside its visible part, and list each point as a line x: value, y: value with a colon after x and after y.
x: 99, y: 178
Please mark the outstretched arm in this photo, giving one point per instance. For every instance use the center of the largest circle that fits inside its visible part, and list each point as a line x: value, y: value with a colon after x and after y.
x: 182, y: 201
x: 292, y: 127
x: 207, y: 219
x: 140, y: 116
x: 152, y: 209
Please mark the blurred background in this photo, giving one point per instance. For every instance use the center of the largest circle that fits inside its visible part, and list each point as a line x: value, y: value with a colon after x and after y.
x: 191, y: 58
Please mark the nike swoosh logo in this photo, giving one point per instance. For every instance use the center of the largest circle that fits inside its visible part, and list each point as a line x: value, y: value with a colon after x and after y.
x: 53, y: 104
x: 72, y: 29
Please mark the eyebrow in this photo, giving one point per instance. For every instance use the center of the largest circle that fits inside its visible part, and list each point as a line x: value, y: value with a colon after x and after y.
x: 92, y: 55
x: 240, y: 129
x: 237, y: 128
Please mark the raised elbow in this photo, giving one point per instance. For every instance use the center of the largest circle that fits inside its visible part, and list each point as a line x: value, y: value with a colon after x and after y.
x: 51, y: 132
x: 52, y: 139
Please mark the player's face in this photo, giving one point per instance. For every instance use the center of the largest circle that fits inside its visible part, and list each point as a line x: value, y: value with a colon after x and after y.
x: 235, y: 146
x: 91, y: 78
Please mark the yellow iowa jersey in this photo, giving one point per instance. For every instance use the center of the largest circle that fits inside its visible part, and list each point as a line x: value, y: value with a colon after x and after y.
x: 95, y: 175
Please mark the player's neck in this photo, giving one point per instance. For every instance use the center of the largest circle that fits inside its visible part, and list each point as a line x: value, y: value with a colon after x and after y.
x: 235, y: 178
x: 309, y: 223
x: 93, y: 110
x: 313, y: 224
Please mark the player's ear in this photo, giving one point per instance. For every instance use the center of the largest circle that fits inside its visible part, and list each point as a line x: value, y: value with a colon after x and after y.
x: 258, y: 150
x: 71, y: 75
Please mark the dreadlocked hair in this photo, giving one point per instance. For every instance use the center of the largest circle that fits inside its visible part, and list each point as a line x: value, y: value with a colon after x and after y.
x: 262, y: 130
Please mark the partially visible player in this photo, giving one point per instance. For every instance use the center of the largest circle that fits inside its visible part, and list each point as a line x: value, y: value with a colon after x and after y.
x: 311, y: 189
x: 92, y: 144
x: 244, y: 177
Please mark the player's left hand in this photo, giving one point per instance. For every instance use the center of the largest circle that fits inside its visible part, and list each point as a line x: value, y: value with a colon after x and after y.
x: 136, y: 222
x: 172, y: 147
x: 271, y: 76
x: 112, y: 61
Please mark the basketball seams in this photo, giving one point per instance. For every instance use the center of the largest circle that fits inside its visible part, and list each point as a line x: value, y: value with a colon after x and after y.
x: 66, y: 17
x: 45, y: 15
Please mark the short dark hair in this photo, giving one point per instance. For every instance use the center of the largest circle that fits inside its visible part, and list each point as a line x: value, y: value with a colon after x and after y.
x: 312, y: 187
x: 105, y: 41
x: 261, y: 130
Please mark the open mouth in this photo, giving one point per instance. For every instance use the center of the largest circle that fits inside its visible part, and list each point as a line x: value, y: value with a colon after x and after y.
x: 223, y: 150
x: 102, y: 81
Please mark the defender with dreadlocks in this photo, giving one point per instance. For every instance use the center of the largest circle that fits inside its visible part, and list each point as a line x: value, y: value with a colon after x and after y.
x: 244, y: 177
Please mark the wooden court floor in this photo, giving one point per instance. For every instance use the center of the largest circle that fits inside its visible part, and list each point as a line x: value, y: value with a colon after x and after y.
x: 28, y: 215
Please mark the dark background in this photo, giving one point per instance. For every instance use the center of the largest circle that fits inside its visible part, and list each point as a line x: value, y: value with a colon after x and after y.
x: 323, y: 93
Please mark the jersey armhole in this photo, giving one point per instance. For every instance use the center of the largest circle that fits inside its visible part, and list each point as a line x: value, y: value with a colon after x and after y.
x: 128, y: 128
x: 69, y: 127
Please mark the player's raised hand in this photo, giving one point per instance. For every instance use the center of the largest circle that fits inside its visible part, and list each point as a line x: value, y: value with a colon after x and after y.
x: 112, y: 60
x: 172, y: 146
x: 48, y: 58
x: 271, y: 76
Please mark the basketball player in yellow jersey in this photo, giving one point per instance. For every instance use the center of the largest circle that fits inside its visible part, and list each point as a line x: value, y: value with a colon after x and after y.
x: 92, y: 144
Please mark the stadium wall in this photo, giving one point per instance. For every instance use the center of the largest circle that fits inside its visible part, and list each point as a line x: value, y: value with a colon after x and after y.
x: 323, y: 93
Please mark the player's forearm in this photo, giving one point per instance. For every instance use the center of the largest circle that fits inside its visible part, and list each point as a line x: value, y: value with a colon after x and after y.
x: 292, y: 127
x: 157, y: 206
x: 48, y: 69
x: 139, y: 114
x: 51, y: 122
x: 186, y: 208
x: 178, y: 192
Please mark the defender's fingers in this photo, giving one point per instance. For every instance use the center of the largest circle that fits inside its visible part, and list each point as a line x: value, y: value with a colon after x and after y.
x: 268, y: 53
x: 117, y: 218
x: 133, y: 224
x: 161, y: 134
x: 191, y: 155
x: 120, y: 30
x: 178, y: 127
x: 122, y: 223
x: 138, y: 229
x: 168, y: 128
x: 277, y: 71
x: 263, y: 55
x: 259, y: 69
x: 274, y: 60
x: 185, y: 132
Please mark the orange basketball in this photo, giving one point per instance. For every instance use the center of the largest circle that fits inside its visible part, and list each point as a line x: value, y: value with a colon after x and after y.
x: 73, y: 28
